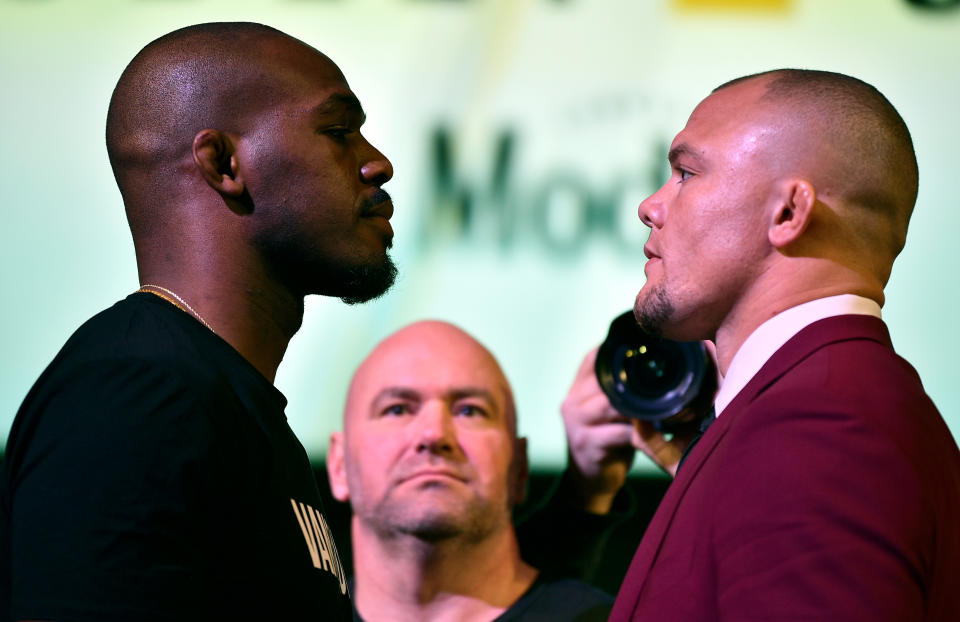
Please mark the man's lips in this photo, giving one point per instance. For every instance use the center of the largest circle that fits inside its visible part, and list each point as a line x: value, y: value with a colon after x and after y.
x: 379, y: 204
x: 433, y: 473
x: 652, y: 259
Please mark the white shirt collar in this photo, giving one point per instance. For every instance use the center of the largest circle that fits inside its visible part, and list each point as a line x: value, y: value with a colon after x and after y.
x: 769, y: 336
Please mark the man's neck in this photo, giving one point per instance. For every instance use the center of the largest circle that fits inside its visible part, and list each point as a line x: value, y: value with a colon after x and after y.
x: 777, y: 293
x: 770, y: 336
x: 258, y: 320
x: 404, y: 578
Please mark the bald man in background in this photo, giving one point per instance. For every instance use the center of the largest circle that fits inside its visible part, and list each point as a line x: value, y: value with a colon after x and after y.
x: 432, y: 466
x: 829, y: 486
x: 150, y: 473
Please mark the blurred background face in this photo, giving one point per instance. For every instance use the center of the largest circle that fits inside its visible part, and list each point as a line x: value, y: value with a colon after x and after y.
x: 429, y: 445
x: 519, y: 166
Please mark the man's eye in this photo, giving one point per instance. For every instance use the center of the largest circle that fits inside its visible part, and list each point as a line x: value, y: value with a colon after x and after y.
x: 395, y: 409
x: 339, y: 133
x: 469, y: 410
x: 684, y: 174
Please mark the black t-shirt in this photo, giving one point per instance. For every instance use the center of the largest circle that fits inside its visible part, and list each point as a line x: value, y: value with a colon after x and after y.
x: 563, y: 600
x: 150, y: 474
x: 563, y: 540
x: 559, y: 600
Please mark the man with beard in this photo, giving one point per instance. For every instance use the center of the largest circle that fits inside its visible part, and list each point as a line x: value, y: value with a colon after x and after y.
x: 150, y: 473
x: 431, y: 464
x: 828, y: 488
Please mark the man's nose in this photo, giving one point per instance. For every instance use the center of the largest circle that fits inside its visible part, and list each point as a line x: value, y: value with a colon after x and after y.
x: 377, y: 169
x: 435, y: 431
x: 651, y: 210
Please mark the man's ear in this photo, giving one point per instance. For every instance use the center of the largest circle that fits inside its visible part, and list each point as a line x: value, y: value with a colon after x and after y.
x: 519, y: 472
x: 793, y: 210
x: 214, y: 155
x: 336, y: 470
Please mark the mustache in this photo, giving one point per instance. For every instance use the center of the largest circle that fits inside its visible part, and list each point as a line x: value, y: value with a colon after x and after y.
x: 378, y: 197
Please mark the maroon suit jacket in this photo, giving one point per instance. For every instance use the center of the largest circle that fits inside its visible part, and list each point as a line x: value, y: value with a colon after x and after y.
x: 828, y: 490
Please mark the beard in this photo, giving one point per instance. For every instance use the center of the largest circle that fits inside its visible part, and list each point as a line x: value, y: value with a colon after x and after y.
x: 361, y: 284
x: 472, y: 522
x: 353, y: 283
x: 432, y: 520
x: 653, y: 310
x: 369, y: 282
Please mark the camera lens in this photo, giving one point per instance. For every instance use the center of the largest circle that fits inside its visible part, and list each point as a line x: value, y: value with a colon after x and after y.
x: 656, y: 380
x: 649, y: 370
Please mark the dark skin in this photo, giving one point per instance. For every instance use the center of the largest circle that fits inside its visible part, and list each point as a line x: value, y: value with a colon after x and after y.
x: 247, y: 182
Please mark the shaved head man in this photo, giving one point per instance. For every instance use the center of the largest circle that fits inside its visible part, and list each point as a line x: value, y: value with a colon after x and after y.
x: 431, y: 464
x: 150, y: 473
x: 828, y: 488
x: 832, y: 231
x: 449, y: 381
x: 265, y: 126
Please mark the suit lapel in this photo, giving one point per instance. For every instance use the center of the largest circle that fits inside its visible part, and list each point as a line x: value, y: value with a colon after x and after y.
x: 654, y: 535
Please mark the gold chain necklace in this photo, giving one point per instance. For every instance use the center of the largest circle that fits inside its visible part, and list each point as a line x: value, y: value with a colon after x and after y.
x: 176, y: 301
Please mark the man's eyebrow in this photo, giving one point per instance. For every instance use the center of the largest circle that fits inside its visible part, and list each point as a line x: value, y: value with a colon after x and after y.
x: 453, y: 394
x: 681, y: 150
x: 401, y: 392
x: 338, y: 102
x: 462, y: 392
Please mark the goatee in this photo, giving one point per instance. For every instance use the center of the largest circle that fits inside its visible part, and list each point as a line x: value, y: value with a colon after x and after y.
x: 652, y: 311
x: 366, y: 283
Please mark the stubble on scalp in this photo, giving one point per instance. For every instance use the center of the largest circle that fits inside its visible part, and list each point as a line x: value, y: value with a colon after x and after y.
x: 653, y: 310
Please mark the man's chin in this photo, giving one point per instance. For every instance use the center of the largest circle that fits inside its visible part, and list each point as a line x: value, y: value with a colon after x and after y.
x: 435, y: 528
x: 653, y: 310
x: 436, y: 514
x: 430, y: 524
x: 366, y: 283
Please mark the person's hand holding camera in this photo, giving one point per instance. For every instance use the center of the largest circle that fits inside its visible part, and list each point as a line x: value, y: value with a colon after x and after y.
x: 599, y: 440
x: 666, y: 448
x: 665, y: 387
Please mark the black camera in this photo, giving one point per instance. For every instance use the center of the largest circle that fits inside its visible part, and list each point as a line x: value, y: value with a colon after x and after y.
x: 667, y: 383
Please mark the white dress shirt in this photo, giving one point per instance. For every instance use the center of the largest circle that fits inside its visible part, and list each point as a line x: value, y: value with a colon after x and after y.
x: 772, y: 334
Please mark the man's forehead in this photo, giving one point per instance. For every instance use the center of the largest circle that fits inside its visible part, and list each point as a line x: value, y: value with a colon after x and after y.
x: 427, y: 364
x: 287, y: 50
x: 699, y: 144
x: 429, y: 358
x: 295, y: 63
x: 738, y: 101
x: 724, y: 123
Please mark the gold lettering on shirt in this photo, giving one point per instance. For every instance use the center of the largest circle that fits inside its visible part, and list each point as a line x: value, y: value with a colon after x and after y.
x: 319, y: 540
